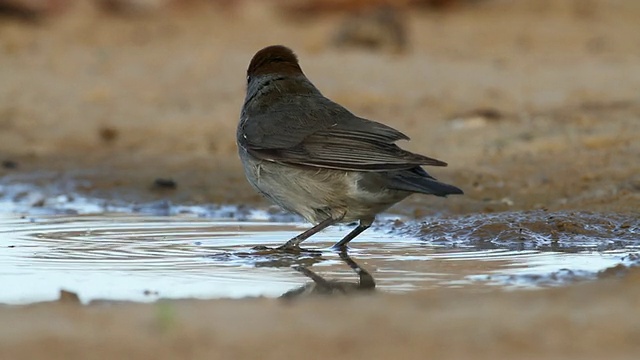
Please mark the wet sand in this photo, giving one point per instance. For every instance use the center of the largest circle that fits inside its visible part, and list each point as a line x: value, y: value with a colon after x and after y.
x: 534, y: 106
x: 587, y: 321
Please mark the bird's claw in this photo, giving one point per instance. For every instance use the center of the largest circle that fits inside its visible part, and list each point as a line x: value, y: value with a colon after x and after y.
x: 285, y: 249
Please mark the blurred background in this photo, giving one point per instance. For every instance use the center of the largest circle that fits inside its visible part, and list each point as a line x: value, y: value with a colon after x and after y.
x: 533, y: 103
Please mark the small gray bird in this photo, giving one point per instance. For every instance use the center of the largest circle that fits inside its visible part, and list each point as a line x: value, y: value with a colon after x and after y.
x: 314, y: 158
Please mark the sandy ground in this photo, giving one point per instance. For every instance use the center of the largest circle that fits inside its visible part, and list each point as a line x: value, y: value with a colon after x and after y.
x: 586, y: 321
x: 534, y: 105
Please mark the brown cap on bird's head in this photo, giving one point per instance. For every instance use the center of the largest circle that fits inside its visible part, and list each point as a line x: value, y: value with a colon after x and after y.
x: 275, y: 59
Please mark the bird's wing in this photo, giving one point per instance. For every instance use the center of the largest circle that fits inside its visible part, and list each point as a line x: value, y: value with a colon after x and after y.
x: 277, y: 129
x: 334, y: 139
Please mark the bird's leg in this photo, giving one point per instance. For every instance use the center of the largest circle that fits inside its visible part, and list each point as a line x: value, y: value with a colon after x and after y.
x: 294, y: 243
x: 362, y: 226
x: 366, y: 281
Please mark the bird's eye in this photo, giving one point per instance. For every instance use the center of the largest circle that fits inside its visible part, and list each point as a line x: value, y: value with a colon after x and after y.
x: 248, y: 79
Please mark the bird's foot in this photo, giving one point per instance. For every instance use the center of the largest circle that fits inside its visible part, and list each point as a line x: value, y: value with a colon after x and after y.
x: 296, y: 249
x: 286, y: 249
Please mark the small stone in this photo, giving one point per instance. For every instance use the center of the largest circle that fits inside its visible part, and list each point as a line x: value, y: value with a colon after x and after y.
x: 383, y: 28
x: 163, y: 183
x: 108, y: 134
x: 68, y: 297
x: 9, y: 164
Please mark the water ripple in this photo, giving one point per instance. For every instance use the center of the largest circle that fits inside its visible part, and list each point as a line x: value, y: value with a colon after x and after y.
x: 143, y: 258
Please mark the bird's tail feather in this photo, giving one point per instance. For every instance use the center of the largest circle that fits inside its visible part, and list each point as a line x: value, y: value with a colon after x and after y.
x: 417, y: 180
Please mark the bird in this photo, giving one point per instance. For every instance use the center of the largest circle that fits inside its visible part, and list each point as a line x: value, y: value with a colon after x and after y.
x: 313, y: 157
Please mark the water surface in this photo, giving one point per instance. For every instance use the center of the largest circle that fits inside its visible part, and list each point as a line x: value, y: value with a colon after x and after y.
x: 129, y: 256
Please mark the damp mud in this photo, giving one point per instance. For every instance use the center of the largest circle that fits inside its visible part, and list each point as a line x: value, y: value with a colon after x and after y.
x: 127, y: 229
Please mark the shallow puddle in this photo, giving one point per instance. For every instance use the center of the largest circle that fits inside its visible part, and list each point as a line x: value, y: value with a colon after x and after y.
x: 143, y: 258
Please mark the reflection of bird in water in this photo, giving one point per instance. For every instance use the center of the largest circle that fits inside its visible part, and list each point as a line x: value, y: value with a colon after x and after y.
x: 322, y: 286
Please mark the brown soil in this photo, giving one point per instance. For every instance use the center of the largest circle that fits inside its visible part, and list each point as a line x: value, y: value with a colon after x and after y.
x: 533, y: 105
x: 596, y: 320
